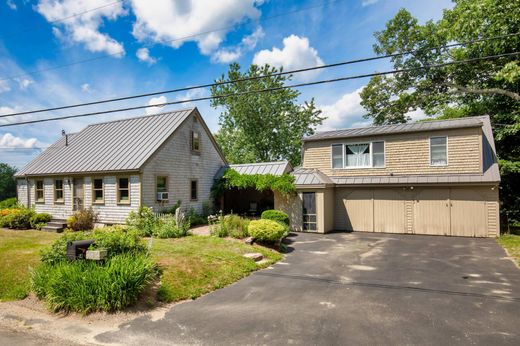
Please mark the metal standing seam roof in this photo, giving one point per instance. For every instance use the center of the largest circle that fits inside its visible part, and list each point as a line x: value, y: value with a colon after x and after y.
x: 422, y: 126
x: 121, y: 145
x: 275, y: 168
x: 310, y: 176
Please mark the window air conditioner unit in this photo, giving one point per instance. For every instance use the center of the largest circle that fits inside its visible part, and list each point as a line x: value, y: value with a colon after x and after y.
x: 162, y: 196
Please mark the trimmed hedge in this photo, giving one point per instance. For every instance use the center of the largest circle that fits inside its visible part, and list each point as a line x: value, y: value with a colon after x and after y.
x: 23, y: 218
x: 276, y: 215
x: 266, y: 230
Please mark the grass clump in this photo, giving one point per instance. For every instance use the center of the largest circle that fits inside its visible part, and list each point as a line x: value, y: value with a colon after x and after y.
x: 511, y: 243
x: 229, y: 226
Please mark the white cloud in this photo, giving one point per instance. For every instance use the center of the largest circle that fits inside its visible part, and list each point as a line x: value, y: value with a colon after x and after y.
x: 417, y: 114
x: 295, y: 54
x: 7, y: 140
x: 230, y: 54
x: 155, y: 101
x: 4, y: 86
x: 175, y: 22
x: 143, y: 54
x: 85, y: 87
x: 368, y: 2
x: 24, y: 83
x: 250, y: 41
x: 11, y: 4
x: 84, y: 28
x: 345, y: 112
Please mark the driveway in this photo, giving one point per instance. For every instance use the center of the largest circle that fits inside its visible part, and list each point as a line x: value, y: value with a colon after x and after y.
x: 357, y: 288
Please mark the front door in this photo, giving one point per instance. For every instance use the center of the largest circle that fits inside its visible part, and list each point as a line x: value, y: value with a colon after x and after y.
x: 79, y: 194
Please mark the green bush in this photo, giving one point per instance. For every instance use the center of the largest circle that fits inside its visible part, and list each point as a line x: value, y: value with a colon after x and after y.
x: 236, y: 226
x: 167, y: 228
x: 86, y: 286
x: 171, y: 210
x: 143, y: 220
x: 266, y: 230
x: 196, y: 218
x: 39, y: 220
x: 9, y: 203
x: 116, y: 240
x: 18, y: 218
x: 82, y: 220
x: 276, y: 215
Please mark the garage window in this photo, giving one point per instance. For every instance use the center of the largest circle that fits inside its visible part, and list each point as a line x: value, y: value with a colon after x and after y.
x: 438, y: 151
x: 309, y: 211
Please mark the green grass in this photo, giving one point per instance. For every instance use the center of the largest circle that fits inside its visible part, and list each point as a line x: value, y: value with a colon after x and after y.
x: 19, y: 250
x: 511, y: 243
x: 195, y: 265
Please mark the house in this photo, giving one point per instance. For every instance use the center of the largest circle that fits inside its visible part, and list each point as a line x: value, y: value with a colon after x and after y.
x: 435, y: 177
x: 117, y: 166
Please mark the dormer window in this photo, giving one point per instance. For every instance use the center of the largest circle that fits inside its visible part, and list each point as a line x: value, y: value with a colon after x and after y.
x: 358, y: 155
x: 438, y: 151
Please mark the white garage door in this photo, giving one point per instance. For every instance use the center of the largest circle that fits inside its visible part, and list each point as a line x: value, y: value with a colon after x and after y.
x: 432, y: 211
x: 389, y: 211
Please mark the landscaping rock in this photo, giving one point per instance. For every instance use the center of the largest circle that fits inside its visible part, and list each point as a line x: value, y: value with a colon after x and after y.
x: 255, y: 256
x: 249, y: 240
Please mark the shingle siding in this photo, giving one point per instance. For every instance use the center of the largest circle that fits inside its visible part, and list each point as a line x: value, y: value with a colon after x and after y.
x: 176, y: 160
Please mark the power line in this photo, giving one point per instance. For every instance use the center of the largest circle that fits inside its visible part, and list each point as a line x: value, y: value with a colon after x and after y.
x: 343, y: 63
x: 60, y: 19
x: 266, y: 90
x: 99, y: 57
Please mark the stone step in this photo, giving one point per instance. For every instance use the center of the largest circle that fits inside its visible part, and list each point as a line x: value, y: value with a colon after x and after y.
x: 56, y: 229
x: 57, y: 224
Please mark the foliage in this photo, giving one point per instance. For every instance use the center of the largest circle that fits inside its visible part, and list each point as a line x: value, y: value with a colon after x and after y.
x: 143, y: 220
x: 147, y: 224
x: 82, y: 220
x: 511, y: 243
x: 276, y: 215
x: 39, y: 220
x: 17, y: 218
x: 229, y: 226
x: 116, y: 240
x: 267, y: 230
x: 262, y: 126
x: 9, y: 203
x: 172, y: 209
x: 283, y: 184
x: 7, y: 181
x: 460, y: 90
x: 86, y: 286
x: 167, y: 228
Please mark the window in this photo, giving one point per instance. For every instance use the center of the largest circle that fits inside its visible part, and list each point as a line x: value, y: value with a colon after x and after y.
x: 357, y: 155
x: 39, y: 191
x: 438, y: 151
x: 58, y: 190
x: 194, y: 190
x: 337, y: 156
x: 309, y: 211
x: 97, y: 190
x: 195, y: 141
x: 162, y: 184
x: 378, y: 154
x: 123, y: 190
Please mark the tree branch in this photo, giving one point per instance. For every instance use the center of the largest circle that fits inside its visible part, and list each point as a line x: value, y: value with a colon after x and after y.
x: 489, y: 91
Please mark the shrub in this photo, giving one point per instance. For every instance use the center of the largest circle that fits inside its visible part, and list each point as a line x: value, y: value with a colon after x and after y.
x: 276, y: 215
x: 86, y: 286
x: 143, y: 221
x: 39, y: 220
x: 196, y: 218
x: 18, y: 218
x: 266, y: 230
x: 82, y: 220
x: 172, y: 209
x: 236, y: 226
x: 9, y: 203
x: 168, y: 228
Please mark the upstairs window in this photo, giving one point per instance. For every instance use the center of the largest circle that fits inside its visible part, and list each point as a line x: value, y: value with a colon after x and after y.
x: 39, y: 191
x: 195, y: 141
x: 98, y: 195
x: 58, y: 191
x: 439, y: 151
x: 337, y: 156
x: 378, y: 154
x: 123, y: 190
x: 357, y: 155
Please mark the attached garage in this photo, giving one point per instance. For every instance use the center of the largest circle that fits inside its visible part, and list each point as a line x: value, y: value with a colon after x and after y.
x: 470, y: 211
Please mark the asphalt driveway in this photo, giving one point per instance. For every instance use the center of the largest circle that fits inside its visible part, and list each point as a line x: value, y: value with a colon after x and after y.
x: 356, y: 288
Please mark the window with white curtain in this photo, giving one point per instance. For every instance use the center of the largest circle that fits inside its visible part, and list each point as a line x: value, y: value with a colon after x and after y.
x: 357, y: 155
x: 438, y: 151
x: 337, y: 156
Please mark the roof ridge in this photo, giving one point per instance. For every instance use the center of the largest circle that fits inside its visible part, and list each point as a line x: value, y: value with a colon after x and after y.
x: 142, y: 117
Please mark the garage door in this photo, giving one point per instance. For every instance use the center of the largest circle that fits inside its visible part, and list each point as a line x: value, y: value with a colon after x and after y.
x: 354, y: 210
x: 389, y: 211
x: 432, y: 212
x: 468, y: 213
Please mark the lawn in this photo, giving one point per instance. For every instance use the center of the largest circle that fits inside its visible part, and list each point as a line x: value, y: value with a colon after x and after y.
x: 19, y: 250
x: 191, y: 266
x: 511, y: 243
x: 196, y: 265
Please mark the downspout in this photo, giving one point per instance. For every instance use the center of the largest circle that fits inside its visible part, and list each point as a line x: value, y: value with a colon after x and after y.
x: 28, y: 192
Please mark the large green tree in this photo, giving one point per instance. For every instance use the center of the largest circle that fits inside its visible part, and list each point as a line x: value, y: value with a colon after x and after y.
x: 460, y: 90
x: 7, y: 182
x: 263, y: 126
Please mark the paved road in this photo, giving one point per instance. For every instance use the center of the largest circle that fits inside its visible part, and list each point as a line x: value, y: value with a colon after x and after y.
x: 357, y: 288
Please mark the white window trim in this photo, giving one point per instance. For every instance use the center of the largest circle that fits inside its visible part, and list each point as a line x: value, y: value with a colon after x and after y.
x: 430, y: 151
x: 358, y: 167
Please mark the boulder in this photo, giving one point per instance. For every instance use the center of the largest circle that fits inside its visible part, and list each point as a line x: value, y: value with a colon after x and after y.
x: 255, y: 256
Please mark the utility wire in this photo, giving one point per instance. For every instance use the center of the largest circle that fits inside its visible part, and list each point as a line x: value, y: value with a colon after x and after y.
x: 343, y: 63
x: 59, y: 20
x: 99, y: 57
x: 266, y: 90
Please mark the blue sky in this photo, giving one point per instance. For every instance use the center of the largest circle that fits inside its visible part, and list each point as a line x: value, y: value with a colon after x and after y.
x: 141, y: 46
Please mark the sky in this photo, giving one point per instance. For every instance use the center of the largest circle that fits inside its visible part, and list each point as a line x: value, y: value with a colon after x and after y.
x: 61, y: 52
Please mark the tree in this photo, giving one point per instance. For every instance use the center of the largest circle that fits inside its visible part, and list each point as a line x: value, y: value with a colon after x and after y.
x: 7, y: 182
x: 263, y: 126
x: 470, y: 89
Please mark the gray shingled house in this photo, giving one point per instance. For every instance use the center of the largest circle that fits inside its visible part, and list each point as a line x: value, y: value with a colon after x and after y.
x: 117, y: 166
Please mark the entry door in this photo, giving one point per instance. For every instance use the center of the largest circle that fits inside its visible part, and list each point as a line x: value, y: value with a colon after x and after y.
x: 432, y: 211
x: 79, y: 194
